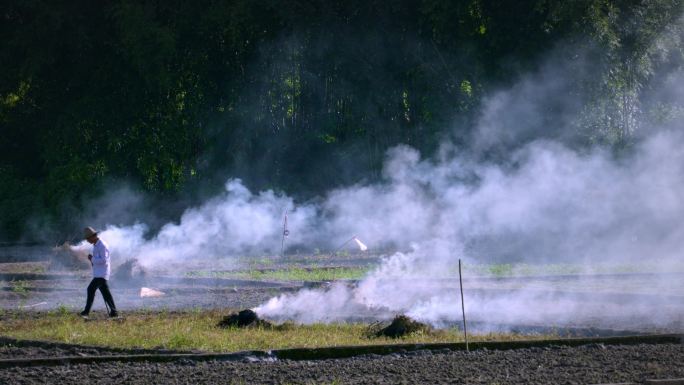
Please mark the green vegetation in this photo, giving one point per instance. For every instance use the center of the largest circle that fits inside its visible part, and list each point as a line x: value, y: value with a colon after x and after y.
x: 62, y: 310
x: 197, y: 330
x: 20, y: 287
x: 289, y: 274
x: 321, y: 273
x: 524, y: 269
x: 517, y: 269
x: 164, y: 95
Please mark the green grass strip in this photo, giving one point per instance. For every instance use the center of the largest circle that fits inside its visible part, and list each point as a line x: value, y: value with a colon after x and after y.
x: 198, y: 331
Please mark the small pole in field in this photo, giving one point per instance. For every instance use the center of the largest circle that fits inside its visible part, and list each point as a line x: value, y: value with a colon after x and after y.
x: 465, y: 329
x: 286, y: 232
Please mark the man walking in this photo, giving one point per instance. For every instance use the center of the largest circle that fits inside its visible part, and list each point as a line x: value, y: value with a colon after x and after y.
x: 99, y: 259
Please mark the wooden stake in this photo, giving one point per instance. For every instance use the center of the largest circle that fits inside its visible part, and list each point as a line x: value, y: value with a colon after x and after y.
x: 465, y: 329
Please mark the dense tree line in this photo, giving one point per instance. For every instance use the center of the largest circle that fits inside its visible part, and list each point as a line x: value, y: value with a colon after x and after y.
x: 299, y: 96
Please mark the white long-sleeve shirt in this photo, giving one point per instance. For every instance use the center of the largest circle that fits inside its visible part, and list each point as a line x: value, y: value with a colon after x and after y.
x: 101, y: 267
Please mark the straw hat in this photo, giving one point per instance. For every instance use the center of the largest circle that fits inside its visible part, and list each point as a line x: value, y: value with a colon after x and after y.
x: 88, y: 232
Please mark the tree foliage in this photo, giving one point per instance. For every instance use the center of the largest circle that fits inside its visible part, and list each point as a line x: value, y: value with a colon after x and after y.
x: 300, y: 96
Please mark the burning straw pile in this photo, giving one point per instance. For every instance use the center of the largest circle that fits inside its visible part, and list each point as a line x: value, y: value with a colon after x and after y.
x: 244, y: 319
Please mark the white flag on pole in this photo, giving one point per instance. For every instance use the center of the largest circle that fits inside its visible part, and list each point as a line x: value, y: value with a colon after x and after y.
x: 361, y: 245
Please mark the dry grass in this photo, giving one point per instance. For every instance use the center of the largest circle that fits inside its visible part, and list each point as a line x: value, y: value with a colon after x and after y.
x: 197, y: 331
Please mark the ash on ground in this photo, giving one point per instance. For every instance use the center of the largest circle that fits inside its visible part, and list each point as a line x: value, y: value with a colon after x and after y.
x: 244, y: 319
x: 401, y: 326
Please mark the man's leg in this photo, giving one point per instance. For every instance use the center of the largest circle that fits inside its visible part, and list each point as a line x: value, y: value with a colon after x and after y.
x: 90, y: 296
x: 109, y: 300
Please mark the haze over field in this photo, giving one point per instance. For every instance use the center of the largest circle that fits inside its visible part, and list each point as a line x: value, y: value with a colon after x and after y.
x: 434, y: 131
x: 540, y: 201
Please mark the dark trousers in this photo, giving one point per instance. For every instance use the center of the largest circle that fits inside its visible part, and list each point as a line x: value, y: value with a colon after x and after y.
x: 99, y: 283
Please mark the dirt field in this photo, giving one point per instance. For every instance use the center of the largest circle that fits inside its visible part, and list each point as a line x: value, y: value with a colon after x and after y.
x: 589, y: 364
x: 632, y: 300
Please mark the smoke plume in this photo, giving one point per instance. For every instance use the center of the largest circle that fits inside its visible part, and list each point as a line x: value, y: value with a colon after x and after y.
x: 544, y: 201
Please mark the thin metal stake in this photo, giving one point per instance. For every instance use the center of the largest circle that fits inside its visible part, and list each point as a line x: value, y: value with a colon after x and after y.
x: 286, y: 232
x: 465, y: 329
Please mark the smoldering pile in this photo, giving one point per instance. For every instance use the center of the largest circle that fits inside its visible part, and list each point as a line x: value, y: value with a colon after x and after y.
x: 400, y: 326
x: 244, y: 319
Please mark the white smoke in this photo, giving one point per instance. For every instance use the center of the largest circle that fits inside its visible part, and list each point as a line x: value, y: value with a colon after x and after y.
x: 226, y: 226
x: 546, y: 202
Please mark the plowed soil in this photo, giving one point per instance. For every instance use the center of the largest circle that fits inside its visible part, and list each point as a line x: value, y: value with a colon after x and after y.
x: 588, y: 364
